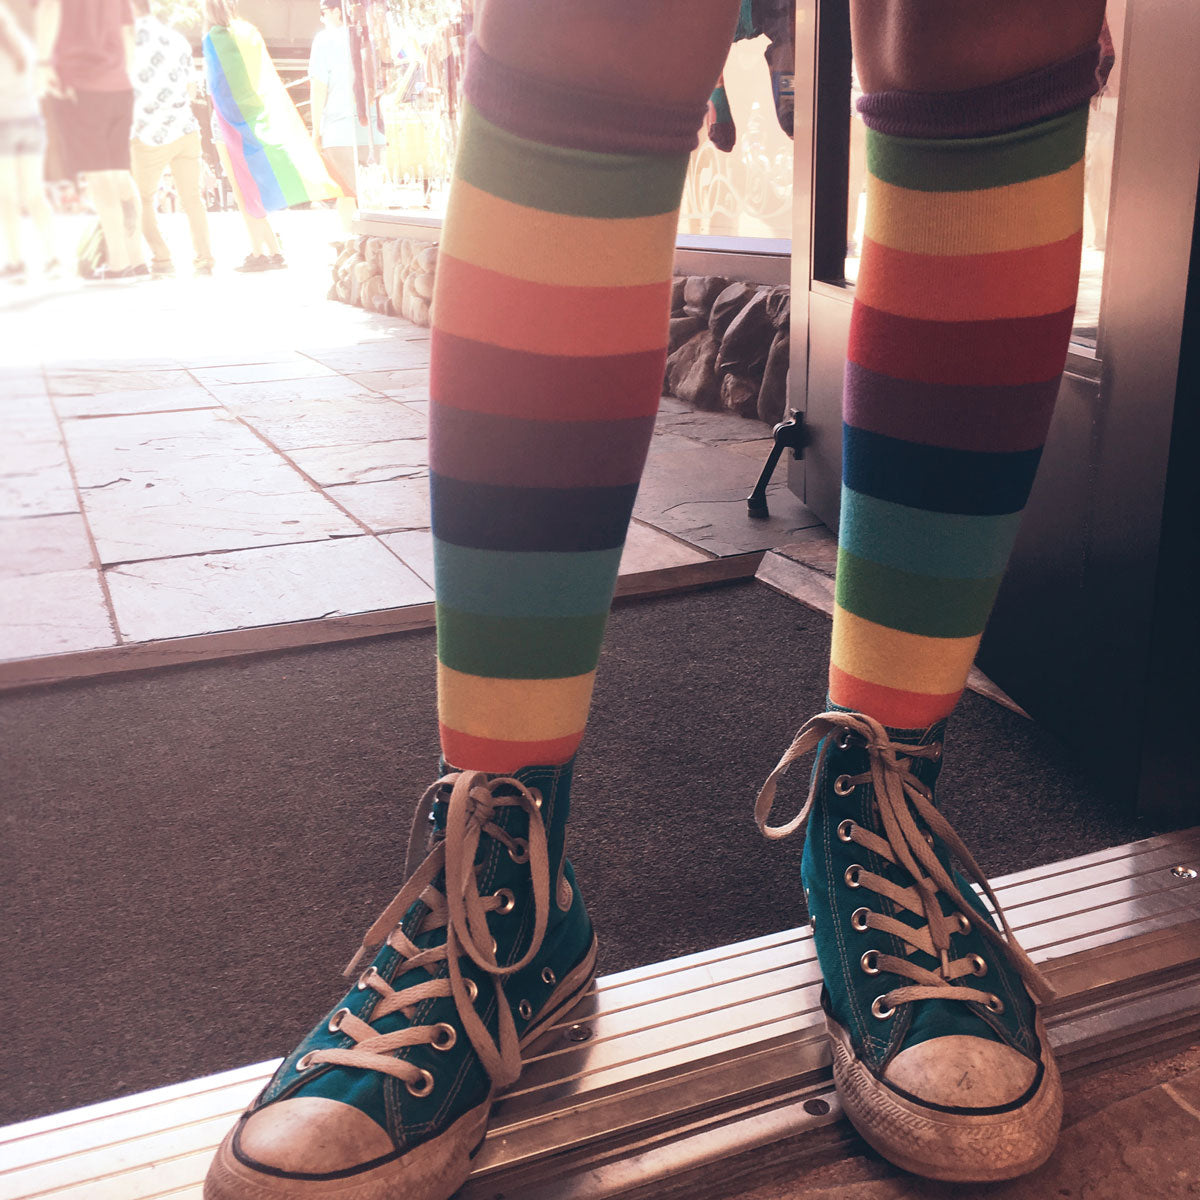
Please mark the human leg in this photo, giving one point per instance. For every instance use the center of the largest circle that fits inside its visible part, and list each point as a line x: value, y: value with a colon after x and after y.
x: 32, y: 190
x: 185, y: 167
x: 147, y: 164
x: 102, y: 188
x: 962, y: 317
x: 10, y: 210
x: 131, y: 216
x: 564, y: 196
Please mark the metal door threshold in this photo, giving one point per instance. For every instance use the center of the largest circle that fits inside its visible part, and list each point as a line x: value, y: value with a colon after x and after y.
x: 671, y: 1076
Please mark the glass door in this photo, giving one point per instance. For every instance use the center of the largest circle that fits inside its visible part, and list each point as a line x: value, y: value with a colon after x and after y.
x: 1070, y: 637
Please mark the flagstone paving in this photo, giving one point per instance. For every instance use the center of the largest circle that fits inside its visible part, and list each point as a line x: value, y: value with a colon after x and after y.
x: 184, y: 457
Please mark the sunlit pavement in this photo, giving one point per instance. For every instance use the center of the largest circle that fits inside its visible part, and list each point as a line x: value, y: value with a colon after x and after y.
x: 196, y: 458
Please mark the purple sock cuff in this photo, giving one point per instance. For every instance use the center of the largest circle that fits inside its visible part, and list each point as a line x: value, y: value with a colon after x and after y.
x: 555, y: 114
x: 997, y: 108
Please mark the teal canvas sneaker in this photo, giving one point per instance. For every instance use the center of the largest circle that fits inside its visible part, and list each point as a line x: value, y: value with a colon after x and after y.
x: 484, y: 947
x: 939, y: 1056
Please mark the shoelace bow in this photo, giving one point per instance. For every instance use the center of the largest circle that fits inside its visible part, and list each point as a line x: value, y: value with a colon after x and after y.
x: 898, y: 794
x: 462, y: 911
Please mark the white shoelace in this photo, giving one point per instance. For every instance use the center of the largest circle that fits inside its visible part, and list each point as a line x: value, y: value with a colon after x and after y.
x: 462, y: 911
x: 899, y: 794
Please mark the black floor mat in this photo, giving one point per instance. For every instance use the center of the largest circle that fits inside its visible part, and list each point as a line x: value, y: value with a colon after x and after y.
x: 191, y: 855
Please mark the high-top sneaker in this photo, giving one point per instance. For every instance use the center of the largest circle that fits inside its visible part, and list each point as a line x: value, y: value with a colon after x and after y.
x: 485, y: 945
x: 939, y: 1055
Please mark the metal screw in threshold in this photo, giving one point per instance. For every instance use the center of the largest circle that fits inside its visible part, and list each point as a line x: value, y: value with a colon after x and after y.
x: 816, y: 1107
x: 578, y: 1033
x: 1182, y: 872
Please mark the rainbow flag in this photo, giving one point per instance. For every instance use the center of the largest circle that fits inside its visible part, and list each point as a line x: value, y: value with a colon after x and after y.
x: 274, y: 161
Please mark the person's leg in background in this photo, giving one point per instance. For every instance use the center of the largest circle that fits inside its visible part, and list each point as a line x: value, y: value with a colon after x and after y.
x: 103, y: 190
x: 339, y: 162
x: 976, y: 119
x: 31, y: 189
x: 185, y: 167
x: 549, y: 342
x: 264, y: 245
x: 10, y: 216
x: 147, y: 164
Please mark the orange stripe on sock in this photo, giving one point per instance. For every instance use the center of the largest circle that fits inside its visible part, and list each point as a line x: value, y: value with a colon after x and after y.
x: 895, y: 708
x: 970, y: 287
x: 475, y: 302
x: 465, y: 751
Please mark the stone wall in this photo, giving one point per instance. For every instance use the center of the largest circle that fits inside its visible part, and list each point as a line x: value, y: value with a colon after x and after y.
x: 729, y: 346
x: 393, y: 276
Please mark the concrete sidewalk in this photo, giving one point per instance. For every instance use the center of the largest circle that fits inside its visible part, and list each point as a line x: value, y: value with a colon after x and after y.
x: 189, y: 458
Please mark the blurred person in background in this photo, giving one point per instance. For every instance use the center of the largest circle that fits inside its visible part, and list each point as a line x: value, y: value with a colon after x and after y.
x: 337, y: 133
x: 166, y: 134
x: 22, y: 150
x: 84, y: 48
x: 266, y: 150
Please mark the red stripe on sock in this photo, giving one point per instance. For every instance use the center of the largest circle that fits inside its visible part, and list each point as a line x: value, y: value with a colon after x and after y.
x: 477, y: 377
x: 471, y: 753
x: 970, y: 287
x: 892, y: 707
x: 1003, y: 352
x: 549, y: 318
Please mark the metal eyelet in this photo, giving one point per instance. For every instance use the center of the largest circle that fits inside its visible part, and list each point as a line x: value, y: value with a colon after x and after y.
x: 845, y: 829
x: 537, y: 797
x: 870, y: 962
x: 335, y: 1022
x: 525, y: 1009
x: 520, y: 852
x: 853, y: 871
x: 880, y: 1009
x: 812, y: 922
x: 362, y: 984
x: 845, y: 741
x: 549, y: 977
x: 994, y: 1004
x: 842, y: 786
x: 303, y: 1064
x: 449, y: 1035
x: 978, y: 966
x: 472, y: 990
x: 928, y: 839
x: 937, y: 751
x: 508, y: 901
x: 422, y: 1087
x: 858, y: 920
x: 964, y: 926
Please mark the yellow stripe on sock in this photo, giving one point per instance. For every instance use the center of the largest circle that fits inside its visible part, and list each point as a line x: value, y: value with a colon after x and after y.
x: 905, y: 661
x: 514, y: 710
x: 546, y: 247
x: 1005, y: 218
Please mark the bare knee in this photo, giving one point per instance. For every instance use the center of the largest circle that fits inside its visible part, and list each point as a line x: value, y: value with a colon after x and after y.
x: 952, y: 45
x: 668, y: 52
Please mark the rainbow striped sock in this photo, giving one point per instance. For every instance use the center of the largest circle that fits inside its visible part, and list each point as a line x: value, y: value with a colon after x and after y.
x: 962, y: 317
x: 549, y: 341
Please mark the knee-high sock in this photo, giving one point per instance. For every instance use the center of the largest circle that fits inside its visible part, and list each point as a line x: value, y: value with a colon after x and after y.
x: 549, y: 340
x: 958, y: 337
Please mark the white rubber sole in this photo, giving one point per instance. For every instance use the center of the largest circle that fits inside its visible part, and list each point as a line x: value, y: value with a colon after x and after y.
x: 434, y: 1170
x: 957, y: 1147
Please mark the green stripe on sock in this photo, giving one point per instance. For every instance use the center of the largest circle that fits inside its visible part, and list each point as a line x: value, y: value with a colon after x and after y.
x: 945, y: 545
x: 531, y: 583
x: 578, y: 183
x: 519, y: 647
x: 972, y: 164
x: 948, y: 608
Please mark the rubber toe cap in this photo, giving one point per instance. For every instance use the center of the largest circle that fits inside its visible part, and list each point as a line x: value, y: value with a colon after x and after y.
x: 959, y: 1071
x: 311, y: 1135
